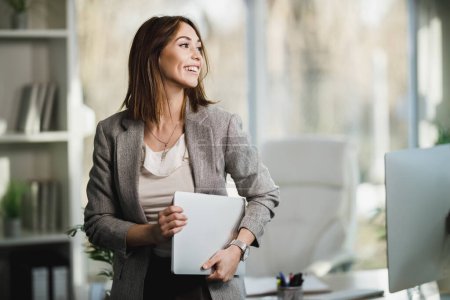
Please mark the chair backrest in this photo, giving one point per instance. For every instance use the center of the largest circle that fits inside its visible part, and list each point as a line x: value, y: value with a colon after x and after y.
x: 314, y: 225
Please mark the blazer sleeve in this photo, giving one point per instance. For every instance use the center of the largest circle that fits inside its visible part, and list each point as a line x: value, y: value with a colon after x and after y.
x: 252, y: 179
x: 102, y: 223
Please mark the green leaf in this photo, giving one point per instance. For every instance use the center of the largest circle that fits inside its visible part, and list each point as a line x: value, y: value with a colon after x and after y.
x: 11, y: 201
x: 18, y: 5
x: 95, y: 253
x: 107, y: 273
x: 443, y: 135
x: 74, y: 230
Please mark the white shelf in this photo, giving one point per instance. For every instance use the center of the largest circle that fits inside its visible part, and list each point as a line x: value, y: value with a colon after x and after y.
x: 42, y: 137
x: 35, y: 239
x: 45, y: 55
x: 34, y: 34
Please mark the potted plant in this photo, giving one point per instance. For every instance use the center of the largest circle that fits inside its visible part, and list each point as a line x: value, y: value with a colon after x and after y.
x: 97, y: 254
x: 443, y: 135
x: 10, y: 208
x: 19, y: 17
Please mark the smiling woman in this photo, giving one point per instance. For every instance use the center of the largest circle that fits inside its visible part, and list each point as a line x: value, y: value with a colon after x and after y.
x: 181, y: 60
x: 170, y: 138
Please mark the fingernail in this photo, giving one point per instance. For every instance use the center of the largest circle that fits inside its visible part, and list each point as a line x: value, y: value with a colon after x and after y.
x: 204, y: 267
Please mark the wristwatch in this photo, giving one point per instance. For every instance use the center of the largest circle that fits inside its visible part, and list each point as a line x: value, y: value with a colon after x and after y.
x: 245, y: 249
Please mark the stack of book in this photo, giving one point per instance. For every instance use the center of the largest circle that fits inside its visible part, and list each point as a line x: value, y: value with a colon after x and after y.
x: 36, y: 108
x: 41, y: 208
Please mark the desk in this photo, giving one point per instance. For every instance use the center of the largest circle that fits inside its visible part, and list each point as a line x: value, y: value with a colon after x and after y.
x: 370, y: 279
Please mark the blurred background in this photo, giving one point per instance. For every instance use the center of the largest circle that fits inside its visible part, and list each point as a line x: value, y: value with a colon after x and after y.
x: 373, y: 71
x: 290, y: 67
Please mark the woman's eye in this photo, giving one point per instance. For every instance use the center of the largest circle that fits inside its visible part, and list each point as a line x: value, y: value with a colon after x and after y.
x: 184, y: 45
x: 200, y: 49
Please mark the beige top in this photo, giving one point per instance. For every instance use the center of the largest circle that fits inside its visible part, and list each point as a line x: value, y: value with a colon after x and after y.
x: 159, y: 180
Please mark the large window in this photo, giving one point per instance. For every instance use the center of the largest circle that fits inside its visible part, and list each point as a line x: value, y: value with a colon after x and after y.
x: 340, y: 67
x: 433, y: 92
x: 323, y: 67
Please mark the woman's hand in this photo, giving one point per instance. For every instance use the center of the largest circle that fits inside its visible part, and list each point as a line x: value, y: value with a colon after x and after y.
x: 170, y: 221
x: 224, y: 264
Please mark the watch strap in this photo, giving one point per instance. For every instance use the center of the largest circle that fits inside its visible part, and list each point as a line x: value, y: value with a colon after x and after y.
x: 243, y: 246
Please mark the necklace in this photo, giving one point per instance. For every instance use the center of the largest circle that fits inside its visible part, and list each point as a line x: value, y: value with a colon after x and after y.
x: 164, y: 153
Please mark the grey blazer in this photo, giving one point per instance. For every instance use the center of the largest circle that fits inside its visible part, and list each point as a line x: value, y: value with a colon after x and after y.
x: 216, y: 145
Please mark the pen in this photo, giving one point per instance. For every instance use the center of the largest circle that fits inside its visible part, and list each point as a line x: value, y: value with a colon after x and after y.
x: 283, y: 279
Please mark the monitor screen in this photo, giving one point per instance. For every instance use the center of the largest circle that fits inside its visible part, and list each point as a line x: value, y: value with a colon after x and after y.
x: 417, y: 204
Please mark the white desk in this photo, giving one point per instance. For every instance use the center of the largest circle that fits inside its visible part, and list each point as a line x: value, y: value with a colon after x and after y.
x: 371, y: 279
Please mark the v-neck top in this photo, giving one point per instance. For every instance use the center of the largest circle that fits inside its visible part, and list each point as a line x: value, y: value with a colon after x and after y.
x: 154, y: 163
x: 160, y: 179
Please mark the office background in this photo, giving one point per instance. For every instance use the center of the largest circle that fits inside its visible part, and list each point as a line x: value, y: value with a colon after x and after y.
x: 293, y: 67
x: 374, y: 71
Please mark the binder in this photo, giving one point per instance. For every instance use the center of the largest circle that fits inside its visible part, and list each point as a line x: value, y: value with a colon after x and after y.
x: 40, y: 283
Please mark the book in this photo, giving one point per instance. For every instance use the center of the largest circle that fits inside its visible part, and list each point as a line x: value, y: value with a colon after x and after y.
x: 33, y: 203
x: 48, y: 108
x: 40, y: 283
x: 43, y: 201
x: 42, y: 208
x: 60, y: 283
x: 57, y: 221
x: 28, y: 108
x: 54, y: 207
x: 40, y: 102
x: 36, y: 108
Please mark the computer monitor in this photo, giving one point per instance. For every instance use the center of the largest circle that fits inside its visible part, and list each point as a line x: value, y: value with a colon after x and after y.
x: 417, y: 204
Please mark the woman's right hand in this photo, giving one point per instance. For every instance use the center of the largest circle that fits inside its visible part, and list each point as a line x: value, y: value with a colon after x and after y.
x: 170, y: 221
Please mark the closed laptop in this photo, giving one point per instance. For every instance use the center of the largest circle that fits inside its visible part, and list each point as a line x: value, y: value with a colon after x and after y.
x: 213, y: 221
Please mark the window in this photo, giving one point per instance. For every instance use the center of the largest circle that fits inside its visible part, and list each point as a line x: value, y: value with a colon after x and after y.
x: 340, y: 67
x: 328, y: 67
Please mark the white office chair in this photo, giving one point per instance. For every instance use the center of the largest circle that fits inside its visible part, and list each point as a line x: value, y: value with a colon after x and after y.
x: 314, y: 226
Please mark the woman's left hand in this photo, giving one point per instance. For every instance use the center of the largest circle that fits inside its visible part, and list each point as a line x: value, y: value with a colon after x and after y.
x: 224, y: 264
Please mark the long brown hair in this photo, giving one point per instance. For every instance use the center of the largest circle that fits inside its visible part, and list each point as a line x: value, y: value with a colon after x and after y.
x: 145, y: 94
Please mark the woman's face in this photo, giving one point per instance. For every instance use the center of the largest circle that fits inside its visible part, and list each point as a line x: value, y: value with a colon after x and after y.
x: 181, y: 60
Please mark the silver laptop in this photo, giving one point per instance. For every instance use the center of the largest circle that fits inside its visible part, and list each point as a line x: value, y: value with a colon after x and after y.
x: 212, y: 223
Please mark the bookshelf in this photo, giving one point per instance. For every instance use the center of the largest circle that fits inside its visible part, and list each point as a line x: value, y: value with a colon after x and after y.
x: 42, y: 137
x: 34, y: 34
x: 44, y: 52
x: 34, y: 240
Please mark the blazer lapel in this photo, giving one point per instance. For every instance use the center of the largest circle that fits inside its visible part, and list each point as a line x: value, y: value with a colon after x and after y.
x: 200, y: 144
x: 129, y: 155
x: 128, y: 161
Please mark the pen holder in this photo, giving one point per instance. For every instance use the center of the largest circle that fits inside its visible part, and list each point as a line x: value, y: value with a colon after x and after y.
x: 290, y: 293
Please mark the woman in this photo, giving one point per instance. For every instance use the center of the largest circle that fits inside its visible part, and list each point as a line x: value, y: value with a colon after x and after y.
x: 170, y: 138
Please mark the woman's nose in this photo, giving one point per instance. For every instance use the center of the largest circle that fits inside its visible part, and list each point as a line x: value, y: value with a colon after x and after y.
x: 196, y: 54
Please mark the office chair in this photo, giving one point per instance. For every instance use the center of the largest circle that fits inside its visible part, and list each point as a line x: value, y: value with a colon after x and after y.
x: 314, y: 226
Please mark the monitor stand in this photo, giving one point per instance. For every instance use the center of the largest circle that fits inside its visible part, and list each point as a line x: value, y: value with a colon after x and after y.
x: 416, y: 293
